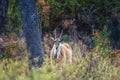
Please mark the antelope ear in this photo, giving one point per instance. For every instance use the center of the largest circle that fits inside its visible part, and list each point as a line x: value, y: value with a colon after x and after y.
x: 52, y: 38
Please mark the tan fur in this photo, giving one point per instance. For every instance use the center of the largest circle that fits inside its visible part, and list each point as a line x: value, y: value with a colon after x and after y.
x: 1, y: 40
x: 65, y: 53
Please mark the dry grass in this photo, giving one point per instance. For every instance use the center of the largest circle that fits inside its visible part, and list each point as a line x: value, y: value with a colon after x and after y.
x: 90, y: 67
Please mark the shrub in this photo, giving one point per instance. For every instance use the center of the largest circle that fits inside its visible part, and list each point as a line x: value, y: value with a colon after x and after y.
x: 97, y: 68
x: 102, y: 43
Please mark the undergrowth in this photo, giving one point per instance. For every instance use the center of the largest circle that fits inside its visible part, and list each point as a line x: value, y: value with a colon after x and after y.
x: 95, y: 68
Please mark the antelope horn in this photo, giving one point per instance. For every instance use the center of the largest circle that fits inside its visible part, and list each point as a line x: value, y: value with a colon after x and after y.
x: 55, y: 34
x: 61, y: 34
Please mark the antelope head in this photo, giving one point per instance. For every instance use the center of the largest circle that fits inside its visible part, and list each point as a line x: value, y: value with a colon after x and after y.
x: 60, y: 49
x: 57, y: 43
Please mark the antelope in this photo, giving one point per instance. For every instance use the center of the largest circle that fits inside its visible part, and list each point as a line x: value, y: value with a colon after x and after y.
x: 60, y: 50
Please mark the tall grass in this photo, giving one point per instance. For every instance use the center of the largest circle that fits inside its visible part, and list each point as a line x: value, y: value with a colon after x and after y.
x: 93, y: 66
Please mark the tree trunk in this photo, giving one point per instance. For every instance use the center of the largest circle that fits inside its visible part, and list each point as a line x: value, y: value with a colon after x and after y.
x: 31, y: 32
x: 3, y: 13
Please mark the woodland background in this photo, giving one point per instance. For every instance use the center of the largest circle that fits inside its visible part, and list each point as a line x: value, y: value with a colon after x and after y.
x: 91, y: 27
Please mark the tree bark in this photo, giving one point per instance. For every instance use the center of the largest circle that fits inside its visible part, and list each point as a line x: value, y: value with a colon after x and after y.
x: 3, y: 13
x: 31, y: 32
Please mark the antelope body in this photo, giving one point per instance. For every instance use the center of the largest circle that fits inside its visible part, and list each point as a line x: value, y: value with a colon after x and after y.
x: 61, y: 51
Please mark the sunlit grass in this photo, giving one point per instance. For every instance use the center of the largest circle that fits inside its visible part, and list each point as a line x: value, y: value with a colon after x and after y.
x: 80, y: 69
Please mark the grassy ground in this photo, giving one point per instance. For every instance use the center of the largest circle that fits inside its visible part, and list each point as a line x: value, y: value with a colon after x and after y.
x: 90, y: 67
x: 87, y: 68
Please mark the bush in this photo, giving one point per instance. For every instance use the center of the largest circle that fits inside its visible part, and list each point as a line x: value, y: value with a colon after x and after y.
x: 102, y: 43
x: 97, y: 68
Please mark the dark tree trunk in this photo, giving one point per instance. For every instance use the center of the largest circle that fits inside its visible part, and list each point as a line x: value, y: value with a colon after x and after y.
x: 3, y: 13
x: 31, y: 32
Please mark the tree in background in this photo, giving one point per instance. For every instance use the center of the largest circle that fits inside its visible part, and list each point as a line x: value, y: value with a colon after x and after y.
x: 31, y: 32
x: 3, y: 13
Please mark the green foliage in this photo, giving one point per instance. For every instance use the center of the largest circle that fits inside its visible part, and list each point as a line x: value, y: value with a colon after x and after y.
x: 102, y: 10
x: 69, y: 7
x: 10, y: 69
x: 7, y: 51
x: 14, y: 23
x: 102, y: 43
x: 79, y: 70
x: 65, y: 38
